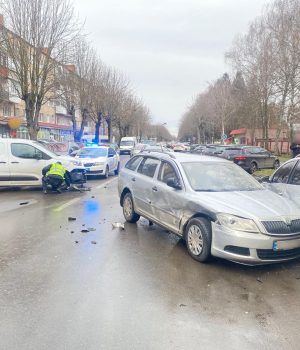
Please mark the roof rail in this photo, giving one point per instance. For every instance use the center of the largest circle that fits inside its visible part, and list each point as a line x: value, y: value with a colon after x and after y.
x: 167, y: 153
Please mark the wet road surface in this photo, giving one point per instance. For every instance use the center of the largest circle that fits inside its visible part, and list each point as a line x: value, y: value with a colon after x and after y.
x: 133, y: 289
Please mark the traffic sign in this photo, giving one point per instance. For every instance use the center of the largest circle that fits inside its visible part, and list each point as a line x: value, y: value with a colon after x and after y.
x: 224, y: 137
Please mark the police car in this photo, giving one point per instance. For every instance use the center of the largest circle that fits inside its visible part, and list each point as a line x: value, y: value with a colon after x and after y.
x: 99, y: 160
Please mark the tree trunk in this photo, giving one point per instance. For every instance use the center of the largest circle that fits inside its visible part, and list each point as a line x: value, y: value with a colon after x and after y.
x: 84, y: 116
x: 74, y: 122
x: 31, y: 119
x: 97, y: 128
x: 108, y: 121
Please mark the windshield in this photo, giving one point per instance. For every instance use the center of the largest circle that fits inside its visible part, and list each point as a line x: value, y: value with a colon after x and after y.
x: 92, y: 152
x: 219, y: 177
x: 126, y: 143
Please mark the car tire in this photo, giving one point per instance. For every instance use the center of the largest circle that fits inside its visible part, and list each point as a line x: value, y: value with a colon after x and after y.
x: 276, y: 164
x: 118, y: 169
x: 198, y: 239
x: 106, y: 174
x: 253, y: 168
x: 128, y: 209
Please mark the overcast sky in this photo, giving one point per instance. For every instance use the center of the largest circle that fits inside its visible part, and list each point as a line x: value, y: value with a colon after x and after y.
x: 169, y: 49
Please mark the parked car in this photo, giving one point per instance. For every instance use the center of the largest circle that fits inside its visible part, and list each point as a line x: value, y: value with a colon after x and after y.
x: 137, y: 149
x: 252, y: 158
x: 179, y: 147
x: 285, y: 181
x: 213, y: 204
x: 230, y: 152
x: 99, y: 160
x: 214, y: 150
x: 22, y: 161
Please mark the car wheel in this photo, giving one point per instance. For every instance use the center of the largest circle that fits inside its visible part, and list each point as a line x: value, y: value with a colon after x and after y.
x: 198, y: 239
x: 106, y: 174
x: 276, y: 164
x: 117, y: 170
x: 253, y: 168
x: 128, y: 209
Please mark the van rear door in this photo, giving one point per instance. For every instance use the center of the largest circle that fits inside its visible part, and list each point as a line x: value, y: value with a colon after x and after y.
x: 5, y: 179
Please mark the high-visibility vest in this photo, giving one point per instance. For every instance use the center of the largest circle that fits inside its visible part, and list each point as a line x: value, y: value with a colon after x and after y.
x: 57, y: 169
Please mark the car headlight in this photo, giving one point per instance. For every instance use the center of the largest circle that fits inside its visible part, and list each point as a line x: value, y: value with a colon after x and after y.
x: 99, y: 163
x: 237, y: 223
x: 76, y: 162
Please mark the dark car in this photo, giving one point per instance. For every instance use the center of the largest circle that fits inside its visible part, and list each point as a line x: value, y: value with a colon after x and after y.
x: 214, y: 150
x: 285, y: 181
x: 230, y: 152
x: 198, y: 149
x: 252, y: 158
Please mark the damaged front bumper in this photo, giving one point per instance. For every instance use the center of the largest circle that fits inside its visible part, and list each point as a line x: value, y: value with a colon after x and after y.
x: 253, y: 248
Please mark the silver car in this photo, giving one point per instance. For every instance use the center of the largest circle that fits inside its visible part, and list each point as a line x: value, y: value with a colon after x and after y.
x: 213, y: 204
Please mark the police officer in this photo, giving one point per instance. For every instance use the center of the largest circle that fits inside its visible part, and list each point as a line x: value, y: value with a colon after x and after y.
x: 54, y: 175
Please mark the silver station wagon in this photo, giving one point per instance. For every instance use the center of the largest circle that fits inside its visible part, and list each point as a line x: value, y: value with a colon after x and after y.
x: 213, y: 204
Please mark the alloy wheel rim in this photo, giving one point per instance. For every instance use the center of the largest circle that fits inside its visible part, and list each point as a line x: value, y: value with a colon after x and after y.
x: 195, y: 240
x: 127, y: 207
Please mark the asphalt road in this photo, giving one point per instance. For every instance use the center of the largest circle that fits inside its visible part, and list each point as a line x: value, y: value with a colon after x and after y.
x: 133, y: 289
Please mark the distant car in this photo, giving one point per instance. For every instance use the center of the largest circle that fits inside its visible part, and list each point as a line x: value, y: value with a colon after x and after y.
x: 156, y: 148
x: 230, y: 152
x: 285, y: 181
x: 127, y: 144
x: 213, y: 204
x: 179, y: 148
x: 252, y: 158
x: 213, y: 150
x: 137, y: 149
x: 99, y: 160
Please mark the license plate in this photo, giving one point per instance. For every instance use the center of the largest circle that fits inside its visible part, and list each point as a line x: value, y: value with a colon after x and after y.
x: 285, y: 245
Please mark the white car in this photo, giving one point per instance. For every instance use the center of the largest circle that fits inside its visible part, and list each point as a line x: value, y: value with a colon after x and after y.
x: 22, y: 161
x: 99, y: 160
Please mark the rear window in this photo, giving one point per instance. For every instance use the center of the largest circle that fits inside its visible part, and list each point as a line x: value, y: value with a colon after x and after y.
x: 233, y: 151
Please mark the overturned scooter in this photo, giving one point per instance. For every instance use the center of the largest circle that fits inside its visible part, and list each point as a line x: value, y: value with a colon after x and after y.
x: 57, y: 179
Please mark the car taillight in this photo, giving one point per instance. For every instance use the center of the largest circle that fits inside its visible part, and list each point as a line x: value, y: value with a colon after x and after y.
x: 240, y: 158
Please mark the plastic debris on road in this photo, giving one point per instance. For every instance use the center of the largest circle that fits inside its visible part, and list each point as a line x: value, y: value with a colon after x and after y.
x: 118, y: 225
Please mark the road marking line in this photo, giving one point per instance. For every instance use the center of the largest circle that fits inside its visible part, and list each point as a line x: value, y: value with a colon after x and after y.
x: 66, y: 205
x: 106, y: 183
x: 75, y: 200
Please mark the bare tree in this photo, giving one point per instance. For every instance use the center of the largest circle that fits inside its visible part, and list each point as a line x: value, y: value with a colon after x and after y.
x: 87, y: 64
x: 36, y: 41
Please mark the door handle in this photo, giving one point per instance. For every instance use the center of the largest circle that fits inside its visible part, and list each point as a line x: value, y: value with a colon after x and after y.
x: 133, y: 179
x: 15, y: 162
x: 2, y: 162
x: 154, y: 189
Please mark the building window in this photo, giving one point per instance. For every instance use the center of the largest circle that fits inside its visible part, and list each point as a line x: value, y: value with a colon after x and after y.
x: 7, y: 110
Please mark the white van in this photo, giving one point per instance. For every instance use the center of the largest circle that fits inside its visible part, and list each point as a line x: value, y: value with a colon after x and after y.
x: 127, y: 144
x: 22, y: 161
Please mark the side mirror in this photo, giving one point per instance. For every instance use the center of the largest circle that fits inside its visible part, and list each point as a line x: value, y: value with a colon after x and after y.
x: 172, y: 182
x: 110, y: 155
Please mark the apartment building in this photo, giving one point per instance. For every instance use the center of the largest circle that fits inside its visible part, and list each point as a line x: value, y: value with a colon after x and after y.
x: 54, y: 121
